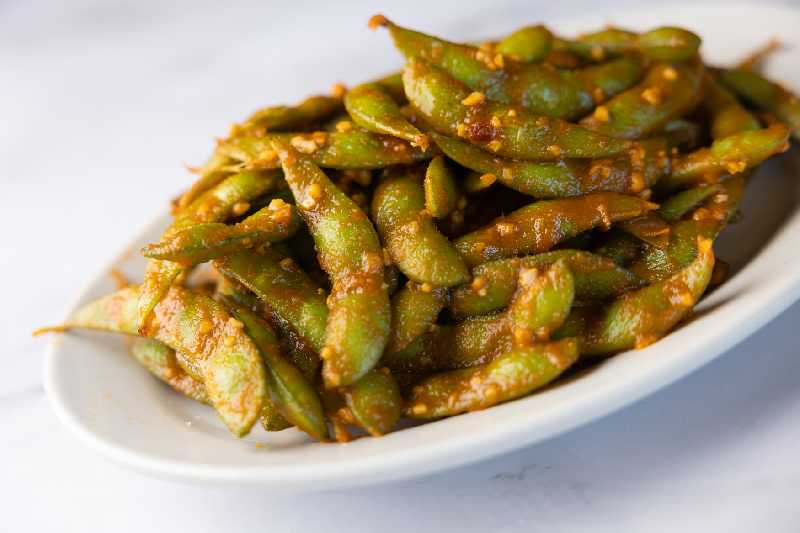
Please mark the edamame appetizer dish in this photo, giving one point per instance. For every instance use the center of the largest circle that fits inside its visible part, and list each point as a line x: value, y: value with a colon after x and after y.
x: 458, y: 233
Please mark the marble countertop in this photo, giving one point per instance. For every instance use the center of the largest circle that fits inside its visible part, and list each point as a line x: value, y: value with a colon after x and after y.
x: 102, y: 101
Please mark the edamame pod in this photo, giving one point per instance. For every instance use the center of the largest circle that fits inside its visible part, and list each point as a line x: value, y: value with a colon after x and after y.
x: 282, y: 118
x: 530, y: 44
x: 215, y: 205
x: 441, y: 191
x: 540, y: 88
x: 289, y: 392
x: 203, y: 242
x: 667, y: 92
x: 159, y: 359
x: 541, y: 225
x: 414, y: 312
x: 629, y: 172
x: 728, y: 115
x: 765, y: 94
x: 493, y: 283
x: 353, y: 149
x: 414, y: 243
x: 516, y: 373
x: 197, y: 326
x: 666, y: 43
x: 676, y: 206
x: 375, y: 401
x: 641, y: 317
x: 349, y: 251
x: 373, y: 108
x: 449, y: 107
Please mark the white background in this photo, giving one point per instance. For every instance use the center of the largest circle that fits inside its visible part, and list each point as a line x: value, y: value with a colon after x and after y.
x: 101, y: 102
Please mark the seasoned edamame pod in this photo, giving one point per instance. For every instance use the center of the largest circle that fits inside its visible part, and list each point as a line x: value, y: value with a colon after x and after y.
x: 312, y: 110
x: 667, y: 92
x: 541, y: 88
x: 159, y: 359
x: 493, y: 283
x: 203, y: 242
x: 730, y: 155
x: 765, y: 94
x: 294, y: 303
x: 353, y: 149
x: 289, y: 392
x: 375, y: 402
x: 349, y: 251
x: 641, y: 317
x: 215, y: 205
x: 372, y: 107
x: 630, y: 172
x: 516, y: 373
x: 541, y: 225
x: 197, y: 326
x: 540, y: 304
x: 441, y: 191
x: 511, y: 131
x: 676, y: 206
x: 414, y: 243
x: 666, y: 43
x: 529, y: 44
x: 728, y: 115
x: 414, y: 312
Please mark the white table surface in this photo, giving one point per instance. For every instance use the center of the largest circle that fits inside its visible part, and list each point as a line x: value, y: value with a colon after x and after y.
x: 99, y: 105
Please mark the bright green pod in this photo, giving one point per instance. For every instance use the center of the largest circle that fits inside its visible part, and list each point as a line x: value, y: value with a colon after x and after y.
x: 289, y: 392
x: 414, y: 243
x: 734, y: 154
x: 293, y: 302
x: 678, y: 205
x: 204, y: 242
x: 666, y: 43
x: 310, y: 111
x: 414, y: 312
x: 540, y: 88
x: 541, y: 225
x: 540, y: 304
x: 765, y: 94
x: 449, y: 108
x: 373, y: 108
x: 493, y: 284
x: 641, y: 317
x: 200, y: 328
x: 350, y: 252
x: 530, y: 44
x: 211, y: 173
x: 441, y: 191
x: 667, y: 92
x: 728, y: 115
x: 354, y: 149
x: 707, y: 221
x: 514, y: 374
x: 159, y: 359
x: 629, y: 172
x: 375, y: 402
x: 215, y: 205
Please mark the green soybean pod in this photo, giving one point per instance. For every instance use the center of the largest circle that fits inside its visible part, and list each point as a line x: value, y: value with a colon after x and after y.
x: 678, y: 205
x: 667, y: 92
x: 372, y: 107
x: 516, y: 373
x: 353, y: 149
x: 197, y: 326
x: 493, y: 284
x: 414, y: 243
x: 349, y: 251
x: 375, y: 401
x: 529, y: 44
x: 281, y: 118
x: 159, y: 359
x: 728, y: 115
x: 289, y: 392
x: 511, y: 131
x: 765, y: 94
x: 414, y: 312
x: 441, y: 191
x: 541, y: 225
x: 641, y: 317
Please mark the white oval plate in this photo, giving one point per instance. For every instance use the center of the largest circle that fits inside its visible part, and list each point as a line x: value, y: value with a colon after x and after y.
x: 117, y: 408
